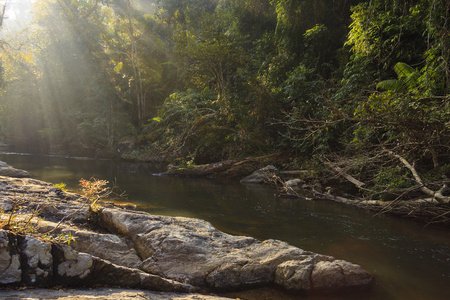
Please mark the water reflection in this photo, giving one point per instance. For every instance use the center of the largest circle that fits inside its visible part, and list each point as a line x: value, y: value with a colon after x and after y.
x: 408, y: 260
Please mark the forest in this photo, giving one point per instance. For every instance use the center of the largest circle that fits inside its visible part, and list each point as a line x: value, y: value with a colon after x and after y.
x: 361, y: 88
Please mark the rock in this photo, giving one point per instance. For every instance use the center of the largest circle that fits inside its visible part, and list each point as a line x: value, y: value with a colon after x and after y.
x: 193, y: 251
x: 10, y: 270
x: 111, y: 247
x: 295, y: 275
x: 35, y: 195
x: 293, y: 182
x: 6, y: 170
x: 338, y: 274
x: 81, y: 269
x: 39, y: 262
x: 102, y: 294
x: 261, y: 176
x: 74, y: 264
x: 7, y: 205
x: 106, y: 246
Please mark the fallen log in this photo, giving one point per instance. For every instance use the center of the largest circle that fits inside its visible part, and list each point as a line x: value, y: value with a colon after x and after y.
x: 427, y: 210
x: 228, y: 168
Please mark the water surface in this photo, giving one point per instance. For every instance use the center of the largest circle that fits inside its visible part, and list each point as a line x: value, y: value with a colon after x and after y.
x: 408, y: 260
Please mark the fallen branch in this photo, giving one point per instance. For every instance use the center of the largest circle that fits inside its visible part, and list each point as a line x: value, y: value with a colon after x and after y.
x: 342, y: 173
x: 435, y: 194
x: 427, y: 209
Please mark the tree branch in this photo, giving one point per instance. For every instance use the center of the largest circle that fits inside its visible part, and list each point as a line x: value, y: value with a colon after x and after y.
x: 435, y: 194
x: 342, y: 173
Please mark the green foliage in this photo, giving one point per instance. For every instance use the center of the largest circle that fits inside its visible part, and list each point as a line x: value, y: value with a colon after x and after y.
x: 61, y: 186
x: 213, y: 47
x: 384, y: 33
x: 207, y: 80
x: 62, y: 238
x: 314, y: 39
x: 406, y: 82
x: 300, y: 87
x: 16, y: 220
x: 395, y: 119
x: 392, y: 178
x: 188, y: 162
x: 187, y: 120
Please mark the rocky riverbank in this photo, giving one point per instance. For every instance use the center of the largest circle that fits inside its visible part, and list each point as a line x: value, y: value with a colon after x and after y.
x: 50, y: 238
x: 431, y: 207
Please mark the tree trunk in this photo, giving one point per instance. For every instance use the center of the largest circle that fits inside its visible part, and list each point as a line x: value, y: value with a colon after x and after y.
x: 140, y: 100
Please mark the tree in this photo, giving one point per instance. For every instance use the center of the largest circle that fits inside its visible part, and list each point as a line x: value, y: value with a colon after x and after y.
x: 2, y: 16
x: 64, y: 100
x: 132, y: 55
x: 212, y: 53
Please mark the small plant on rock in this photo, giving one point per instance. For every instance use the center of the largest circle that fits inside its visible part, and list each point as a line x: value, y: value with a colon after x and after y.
x: 62, y: 238
x: 94, y: 190
x: 62, y: 186
x: 16, y: 220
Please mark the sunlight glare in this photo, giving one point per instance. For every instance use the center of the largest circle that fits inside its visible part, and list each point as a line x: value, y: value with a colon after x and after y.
x: 18, y: 14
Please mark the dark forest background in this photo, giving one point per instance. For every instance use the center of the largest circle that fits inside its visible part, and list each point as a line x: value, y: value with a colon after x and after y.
x: 359, y: 84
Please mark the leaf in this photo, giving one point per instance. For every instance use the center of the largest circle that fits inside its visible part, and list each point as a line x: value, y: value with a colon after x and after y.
x: 412, y: 80
x: 391, y: 85
x: 403, y: 70
x: 407, y: 79
x: 118, y: 67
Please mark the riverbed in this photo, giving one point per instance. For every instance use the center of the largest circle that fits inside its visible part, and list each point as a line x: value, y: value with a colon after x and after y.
x: 408, y: 259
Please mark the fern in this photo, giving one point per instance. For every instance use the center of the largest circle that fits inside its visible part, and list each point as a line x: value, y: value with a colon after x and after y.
x: 391, y: 85
x: 407, y: 79
x: 403, y: 70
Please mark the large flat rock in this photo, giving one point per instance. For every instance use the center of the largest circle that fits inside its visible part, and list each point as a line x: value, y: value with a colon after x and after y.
x: 193, y: 251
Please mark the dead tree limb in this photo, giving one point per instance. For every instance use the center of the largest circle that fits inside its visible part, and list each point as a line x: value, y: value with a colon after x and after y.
x: 438, y: 195
x: 344, y: 174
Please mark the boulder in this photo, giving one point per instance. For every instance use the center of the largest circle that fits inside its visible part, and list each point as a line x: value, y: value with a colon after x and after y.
x: 29, y: 261
x: 81, y: 269
x: 295, y: 274
x: 338, y: 274
x: 293, y: 182
x: 193, y: 251
x: 34, y: 195
x: 264, y: 175
x: 6, y: 170
x: 10, y: 269
x: 116, y: 249
x: 37, y: 262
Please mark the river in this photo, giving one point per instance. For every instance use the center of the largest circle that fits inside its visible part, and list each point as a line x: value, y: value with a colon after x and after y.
x: 409, y: 260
